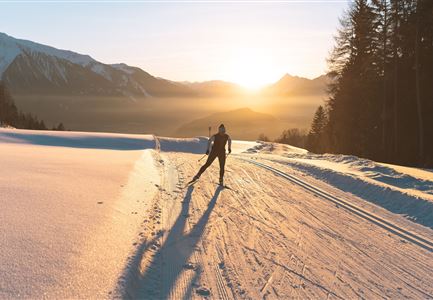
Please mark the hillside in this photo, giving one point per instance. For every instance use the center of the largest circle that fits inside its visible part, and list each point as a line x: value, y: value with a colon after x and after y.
x: 31, y: 68
x: 28, y: 67
x: 290, y: 85
x: 241, y: 123
x: 85, y: 94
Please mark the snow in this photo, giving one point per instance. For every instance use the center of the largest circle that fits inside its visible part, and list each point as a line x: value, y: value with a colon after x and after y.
x: 51, y: 63
x: 123, y: 67
x: 243, y: 146
x: 198, y: 145
x: 68, y: 199
x: 11, y: 48
x: 101, y: 70
x: 9, y: 51
x: 78, y: 139
x: 4, y: 125
x: 190, y: 145
x: 102, y: 215
x: 402, y: 190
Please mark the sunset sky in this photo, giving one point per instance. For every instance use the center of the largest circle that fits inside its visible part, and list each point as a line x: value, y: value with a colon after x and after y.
x: 252, y: 43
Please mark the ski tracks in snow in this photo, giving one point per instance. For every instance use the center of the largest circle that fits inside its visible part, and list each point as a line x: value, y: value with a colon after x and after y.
x: 265, y: 238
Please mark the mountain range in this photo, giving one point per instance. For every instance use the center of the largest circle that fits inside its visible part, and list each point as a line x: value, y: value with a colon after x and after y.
x: 28, y: 68
x: 32, y: 68
x: 85, y: 94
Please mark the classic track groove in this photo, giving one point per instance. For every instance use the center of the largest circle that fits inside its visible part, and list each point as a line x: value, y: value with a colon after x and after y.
x: 379, y: 221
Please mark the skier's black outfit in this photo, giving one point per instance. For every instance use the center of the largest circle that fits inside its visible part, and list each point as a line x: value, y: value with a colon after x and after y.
x: 218, y: 150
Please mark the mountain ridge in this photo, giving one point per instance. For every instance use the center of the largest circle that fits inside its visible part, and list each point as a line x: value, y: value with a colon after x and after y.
x: 29, y: 67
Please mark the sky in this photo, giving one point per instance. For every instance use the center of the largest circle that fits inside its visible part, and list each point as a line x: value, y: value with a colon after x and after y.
x: 250, y: 43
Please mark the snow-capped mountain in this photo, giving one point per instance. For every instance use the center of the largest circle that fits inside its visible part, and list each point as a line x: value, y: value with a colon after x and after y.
x: 28, y: 67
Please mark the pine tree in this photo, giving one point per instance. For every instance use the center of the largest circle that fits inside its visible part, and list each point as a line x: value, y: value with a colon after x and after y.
x: 60, y: 127
x: 293, y: 137
x: 10, y: 115
x: 316, y: 136
x: 355, y: 70
x: 381, y: 97
x: 382, y: 11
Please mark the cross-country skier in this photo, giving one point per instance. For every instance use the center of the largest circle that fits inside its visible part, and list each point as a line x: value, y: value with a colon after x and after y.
x: 216, y: 147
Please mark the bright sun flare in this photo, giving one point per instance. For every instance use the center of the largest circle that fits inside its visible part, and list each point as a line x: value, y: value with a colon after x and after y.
x: 252, y: 69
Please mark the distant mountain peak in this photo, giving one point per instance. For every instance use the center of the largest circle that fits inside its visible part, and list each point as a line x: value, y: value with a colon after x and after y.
x: 296, y: 85
x: 28, y: 67
x: 287, y: 75
x: 11, y: 48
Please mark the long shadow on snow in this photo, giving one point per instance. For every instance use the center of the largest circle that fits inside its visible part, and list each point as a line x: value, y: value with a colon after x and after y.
x: 174, y: 253
x: 89, y: 142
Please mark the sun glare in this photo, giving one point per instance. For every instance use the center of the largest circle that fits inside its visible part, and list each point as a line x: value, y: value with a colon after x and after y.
x: 252, y: 69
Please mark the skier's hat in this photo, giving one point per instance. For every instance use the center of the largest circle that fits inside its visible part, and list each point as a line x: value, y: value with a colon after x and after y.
x: 221, y: 128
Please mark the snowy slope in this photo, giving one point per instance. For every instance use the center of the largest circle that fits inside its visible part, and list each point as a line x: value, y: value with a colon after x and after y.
x: 71, y: 205
x: 94, y: 215
x: 12, y: 47
x: 402, y: 190
x: 28, y: 67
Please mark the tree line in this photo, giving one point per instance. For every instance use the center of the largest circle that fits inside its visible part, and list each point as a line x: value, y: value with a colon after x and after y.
x: 10, y: 115
x: 380, y: 102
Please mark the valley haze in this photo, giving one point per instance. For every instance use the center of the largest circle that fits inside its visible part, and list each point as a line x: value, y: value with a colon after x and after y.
x: 87, y: 95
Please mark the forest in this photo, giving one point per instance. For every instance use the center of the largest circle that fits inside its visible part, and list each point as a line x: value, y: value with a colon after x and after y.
x: 10, y: 116
x: 380, y: 103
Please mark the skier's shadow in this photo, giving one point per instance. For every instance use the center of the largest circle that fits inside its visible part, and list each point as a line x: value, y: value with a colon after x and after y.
x: 159, y: 277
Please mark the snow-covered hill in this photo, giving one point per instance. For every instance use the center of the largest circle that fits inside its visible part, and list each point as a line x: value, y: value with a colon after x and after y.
x: 99, y: 215
x: 28, y: 67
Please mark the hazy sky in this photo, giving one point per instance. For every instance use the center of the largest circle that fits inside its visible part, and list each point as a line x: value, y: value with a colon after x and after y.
x: 249, y: 43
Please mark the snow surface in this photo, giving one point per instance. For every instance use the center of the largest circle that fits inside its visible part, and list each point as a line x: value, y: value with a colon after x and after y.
x: 99, y: 215
x: 402, y: 190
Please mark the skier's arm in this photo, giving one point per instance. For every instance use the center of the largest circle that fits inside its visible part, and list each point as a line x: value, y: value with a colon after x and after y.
x: 229, y: 143
x: 209, y: 144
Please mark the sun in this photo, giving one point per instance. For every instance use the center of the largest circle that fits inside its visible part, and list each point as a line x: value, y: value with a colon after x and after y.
x: 251, y: 69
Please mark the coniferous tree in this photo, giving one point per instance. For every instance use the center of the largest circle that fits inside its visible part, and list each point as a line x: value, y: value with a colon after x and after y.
x: 316, y: 136
x: 294, y: 137
x: 11, y: 116
x: 381, y: 94
x: 354, y: 67
x: 60, y: 127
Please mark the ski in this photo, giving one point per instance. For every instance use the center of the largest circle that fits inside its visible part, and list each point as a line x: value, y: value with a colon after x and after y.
x: 223, y: 186
x: 191, y: 182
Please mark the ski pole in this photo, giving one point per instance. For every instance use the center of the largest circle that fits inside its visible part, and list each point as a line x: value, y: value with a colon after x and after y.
x: 202, y: 157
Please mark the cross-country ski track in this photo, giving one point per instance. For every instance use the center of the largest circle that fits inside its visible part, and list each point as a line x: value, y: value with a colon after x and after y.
x: 89, y: 215
x: 267, y: 237
x: 403, y: 233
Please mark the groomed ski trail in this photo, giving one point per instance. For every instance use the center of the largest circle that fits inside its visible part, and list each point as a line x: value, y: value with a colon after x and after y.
x: 266, y: 238
x: 379, y: 221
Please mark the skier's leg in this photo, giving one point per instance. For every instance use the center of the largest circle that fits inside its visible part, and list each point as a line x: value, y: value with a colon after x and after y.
x: 222, y: 161
x: 209, y: 161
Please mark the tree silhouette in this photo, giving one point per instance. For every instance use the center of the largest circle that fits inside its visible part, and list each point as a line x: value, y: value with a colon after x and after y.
x: 381, y: 93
